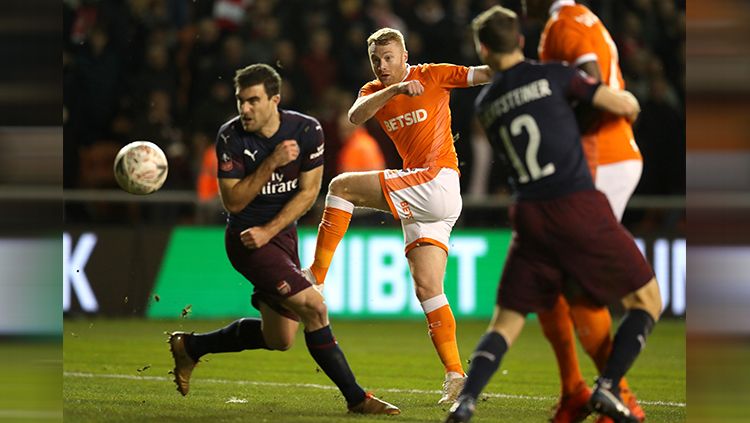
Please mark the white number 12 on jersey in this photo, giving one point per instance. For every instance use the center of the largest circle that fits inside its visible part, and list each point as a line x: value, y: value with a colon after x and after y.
x: 534, y: 171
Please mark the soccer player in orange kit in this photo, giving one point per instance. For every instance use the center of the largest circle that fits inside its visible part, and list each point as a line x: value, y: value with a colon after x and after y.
x: 411, y: 105
x: 575, y: 35
x: 564, y: 229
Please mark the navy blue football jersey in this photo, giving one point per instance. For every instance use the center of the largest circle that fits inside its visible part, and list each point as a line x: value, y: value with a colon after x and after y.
x: 526, y: 113
x: 240, y: 153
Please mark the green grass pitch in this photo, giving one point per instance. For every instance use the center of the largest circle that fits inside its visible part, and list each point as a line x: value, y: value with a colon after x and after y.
x: 117, y: 371
x: 30, y: 380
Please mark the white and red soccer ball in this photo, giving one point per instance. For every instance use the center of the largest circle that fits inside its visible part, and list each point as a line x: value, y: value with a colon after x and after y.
x: 141, y: 167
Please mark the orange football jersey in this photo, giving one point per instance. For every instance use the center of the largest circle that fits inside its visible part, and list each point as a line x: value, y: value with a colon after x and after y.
x: 573, y: 34
x: 420, y: 126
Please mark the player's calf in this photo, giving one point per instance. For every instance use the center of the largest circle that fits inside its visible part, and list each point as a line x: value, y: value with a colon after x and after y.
x: 647, y: 298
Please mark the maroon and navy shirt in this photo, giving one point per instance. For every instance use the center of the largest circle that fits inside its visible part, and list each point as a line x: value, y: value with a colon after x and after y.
x: 240, y: 153
x: 527, y: 116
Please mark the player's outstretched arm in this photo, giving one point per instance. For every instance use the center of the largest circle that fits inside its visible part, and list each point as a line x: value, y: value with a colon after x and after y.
x: 619, y: 102
x: 367, y: 105
x: 236, y: 194
x: 482, y: 75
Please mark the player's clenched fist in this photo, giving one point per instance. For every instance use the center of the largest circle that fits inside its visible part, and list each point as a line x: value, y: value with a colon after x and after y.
x: 411, y: 88
x: 255, y: 237
x: 635, y: 107
x: 285, y: 152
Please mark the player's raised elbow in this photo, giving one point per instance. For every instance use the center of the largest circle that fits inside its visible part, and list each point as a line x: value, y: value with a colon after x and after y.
x: 358, y: 113
x: 356, y: 117
x: 233, y: 205
x: 232, y: 208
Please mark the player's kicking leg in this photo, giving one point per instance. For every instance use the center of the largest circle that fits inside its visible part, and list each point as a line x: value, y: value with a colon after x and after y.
x: 505, y: 327
x: 643, y: 310
x: 346, y: 191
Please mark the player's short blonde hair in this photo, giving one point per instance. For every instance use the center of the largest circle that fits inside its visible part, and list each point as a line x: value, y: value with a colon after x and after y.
x: 498, y: 29
x: 384, y: 36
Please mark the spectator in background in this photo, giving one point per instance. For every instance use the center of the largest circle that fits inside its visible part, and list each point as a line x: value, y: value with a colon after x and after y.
x: 230, y: 14
x: 359, y: 150
x: 182, y: 48
x: 319, y: 65
x: 260, y: 47
x: 352, y: 60
x: 381, y: 15
x: 97, y: 86
x: 233, y: 56
x: 295, y: 93
x: 156, y: 124
x: 216, y: 109
x: 661, y: 133
x: 158, y: 72
x: 440, y: 36
x: 207, y: 187
x: 203, y: 59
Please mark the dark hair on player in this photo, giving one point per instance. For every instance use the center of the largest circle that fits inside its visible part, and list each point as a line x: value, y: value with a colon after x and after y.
x: 498, y: 29
x: 258, y: 73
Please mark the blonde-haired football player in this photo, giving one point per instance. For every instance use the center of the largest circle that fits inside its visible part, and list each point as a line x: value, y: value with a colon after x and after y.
x: 410, y: 102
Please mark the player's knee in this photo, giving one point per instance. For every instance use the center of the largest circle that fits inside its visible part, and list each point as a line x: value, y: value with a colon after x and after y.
x: 647, y: 298
x: 427, y: 283
x: 339, y: 186
x: 280, y: 342
x: 425, y: 290
x: 315, y: 313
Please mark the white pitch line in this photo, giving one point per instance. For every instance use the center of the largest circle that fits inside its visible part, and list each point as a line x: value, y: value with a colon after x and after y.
x: 333, y: 388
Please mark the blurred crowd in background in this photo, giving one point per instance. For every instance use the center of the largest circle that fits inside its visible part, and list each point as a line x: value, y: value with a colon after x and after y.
x: 162, y: 70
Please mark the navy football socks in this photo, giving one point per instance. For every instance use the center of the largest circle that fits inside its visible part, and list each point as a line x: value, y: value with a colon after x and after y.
x: 242, y: 334
x: 629, y: 340
x: 326, y: 352
x: 484, y: 363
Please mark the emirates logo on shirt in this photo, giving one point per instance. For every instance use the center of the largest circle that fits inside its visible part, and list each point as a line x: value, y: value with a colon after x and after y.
x: 407, y: 119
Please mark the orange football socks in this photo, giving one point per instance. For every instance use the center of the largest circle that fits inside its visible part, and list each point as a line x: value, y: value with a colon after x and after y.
x: 442, y: 329
x: 593, y: 325
x: 333, y: 226
x: 558, y: 328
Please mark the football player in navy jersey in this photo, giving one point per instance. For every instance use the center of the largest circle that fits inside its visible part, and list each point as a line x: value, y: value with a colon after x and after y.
x: 562, y: 226
x: 270, y: 170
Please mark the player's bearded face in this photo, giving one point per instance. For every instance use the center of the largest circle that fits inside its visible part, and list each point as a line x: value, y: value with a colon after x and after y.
x: 388, y: 62
x: 255, y: 107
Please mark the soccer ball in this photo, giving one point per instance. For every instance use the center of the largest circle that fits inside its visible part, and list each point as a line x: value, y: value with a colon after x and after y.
x: 140, y: 167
